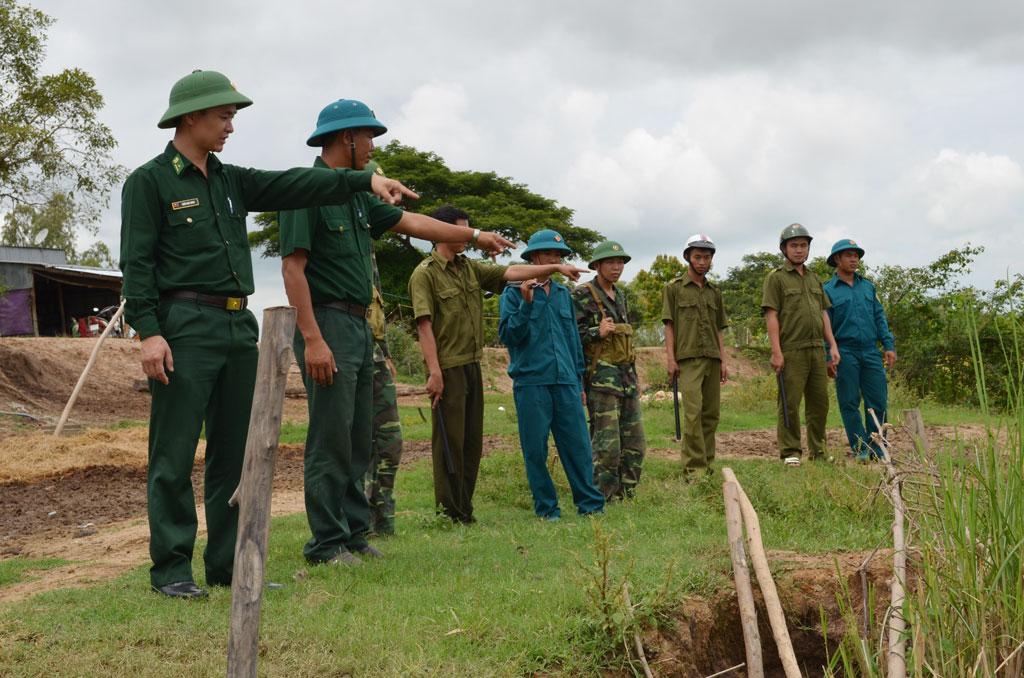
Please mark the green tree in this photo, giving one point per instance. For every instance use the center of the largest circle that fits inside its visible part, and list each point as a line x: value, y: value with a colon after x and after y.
x: 55, y: 162
x: 646, y: 286
x: 742, y: 289
x: 494, y: 203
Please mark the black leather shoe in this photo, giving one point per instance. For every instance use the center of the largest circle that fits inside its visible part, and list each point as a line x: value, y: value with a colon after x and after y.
x: 181, y: 589
x: 371, y: 551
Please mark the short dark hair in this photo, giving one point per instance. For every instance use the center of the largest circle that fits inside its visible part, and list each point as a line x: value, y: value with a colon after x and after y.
x: 449, y: 214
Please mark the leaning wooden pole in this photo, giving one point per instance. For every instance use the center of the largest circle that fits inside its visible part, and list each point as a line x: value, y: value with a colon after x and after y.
x: 741, y: 575
x: 254, y: 490
x: 897, y: 661
x: 764, y: 579
x: 88, y: 366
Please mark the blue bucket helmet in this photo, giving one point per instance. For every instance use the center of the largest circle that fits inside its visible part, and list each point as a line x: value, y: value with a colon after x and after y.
x: 545, y: 240
x: 344, y: 114
x: 842, y: 246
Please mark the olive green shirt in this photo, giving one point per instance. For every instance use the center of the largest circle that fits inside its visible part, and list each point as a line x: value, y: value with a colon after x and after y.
x: 697, y: 315
x: 799, y: 300
x: 339, y: 242
x: 454, y: 304
x: 183, y: 231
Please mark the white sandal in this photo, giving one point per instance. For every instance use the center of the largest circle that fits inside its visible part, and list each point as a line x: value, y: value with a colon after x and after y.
x: 791, y: 461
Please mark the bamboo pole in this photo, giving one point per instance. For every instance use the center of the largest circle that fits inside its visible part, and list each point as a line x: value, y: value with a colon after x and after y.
x: 764, y: 579
x: 741, y: 575
x: 254, y: 491
x: 897, y: 661
x: 637, y: 642
x: 88, y: 366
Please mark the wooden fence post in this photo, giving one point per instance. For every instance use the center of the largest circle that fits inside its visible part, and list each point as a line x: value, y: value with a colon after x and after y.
x: 255, y: 489
x: 741, y: 575
x: 915, y: 421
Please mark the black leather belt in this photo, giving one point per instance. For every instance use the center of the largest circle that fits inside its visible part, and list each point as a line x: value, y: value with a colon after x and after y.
x: 347, y: 307
x: 228, y: 303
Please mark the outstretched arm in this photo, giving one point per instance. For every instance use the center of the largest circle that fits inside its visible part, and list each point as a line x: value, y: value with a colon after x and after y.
x: 427, y: 228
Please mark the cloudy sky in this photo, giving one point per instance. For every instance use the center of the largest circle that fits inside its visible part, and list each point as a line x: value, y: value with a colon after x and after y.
x: 898, y: 124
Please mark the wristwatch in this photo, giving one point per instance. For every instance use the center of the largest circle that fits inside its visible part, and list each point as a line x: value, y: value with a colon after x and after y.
x: 476, y: 234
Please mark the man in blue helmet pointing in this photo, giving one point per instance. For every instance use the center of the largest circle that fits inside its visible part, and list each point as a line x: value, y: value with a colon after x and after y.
x: 328, y: 275
x: 859, y: 325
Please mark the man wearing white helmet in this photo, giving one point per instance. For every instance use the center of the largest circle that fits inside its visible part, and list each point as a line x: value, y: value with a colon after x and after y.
x: 694, y: 318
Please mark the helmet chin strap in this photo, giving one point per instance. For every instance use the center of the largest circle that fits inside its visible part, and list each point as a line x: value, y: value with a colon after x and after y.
x: 352, y: 149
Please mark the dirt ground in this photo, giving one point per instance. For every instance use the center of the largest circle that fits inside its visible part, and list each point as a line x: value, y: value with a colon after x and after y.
x: 82, y: 497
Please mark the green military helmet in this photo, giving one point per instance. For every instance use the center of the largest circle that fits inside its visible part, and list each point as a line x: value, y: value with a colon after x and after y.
x: 545, y: 240
x: 842, y: 246
x: 793, y: 231
x: 200, y: 90
x: 607, y: 250
x: 344, y: 114
x: 374, y: 166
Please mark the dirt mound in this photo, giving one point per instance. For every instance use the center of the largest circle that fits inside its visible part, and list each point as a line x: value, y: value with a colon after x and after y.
x: 37, y: 376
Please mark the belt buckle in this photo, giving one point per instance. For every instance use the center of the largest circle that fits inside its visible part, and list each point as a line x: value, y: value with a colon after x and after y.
x: 234, y: 304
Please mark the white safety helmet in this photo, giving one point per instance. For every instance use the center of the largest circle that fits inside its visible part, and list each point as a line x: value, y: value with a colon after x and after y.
x: 698, y: 240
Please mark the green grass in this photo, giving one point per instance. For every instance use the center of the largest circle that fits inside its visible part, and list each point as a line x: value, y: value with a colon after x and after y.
x: 497, y: 599
x: 15, y: 570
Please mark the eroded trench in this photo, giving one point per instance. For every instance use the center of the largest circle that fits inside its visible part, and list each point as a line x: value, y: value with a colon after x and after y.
x: 707, y: 636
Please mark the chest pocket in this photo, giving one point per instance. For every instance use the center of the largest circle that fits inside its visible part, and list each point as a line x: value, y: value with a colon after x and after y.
x: 190, y: 230
x: 451, y: 301
x: 337, y: 237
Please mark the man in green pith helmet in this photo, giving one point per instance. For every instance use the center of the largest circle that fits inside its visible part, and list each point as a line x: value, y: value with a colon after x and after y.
x: 610, y: 380
x: 328, y: 275
x: 386, y: 450
x: 795, y: 309
x: 859, y: 325
x: 446, y: 290
x: 694, y: 318
x: 187, y: 277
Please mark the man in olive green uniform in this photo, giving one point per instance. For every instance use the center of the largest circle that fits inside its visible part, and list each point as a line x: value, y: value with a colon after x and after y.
x: 446, y: 290
x: 386, y: 451
x: 610, y: 380
x: 694, y: 318
x: 795, y: 306
x: 328, y: 275
x: 187, y: 276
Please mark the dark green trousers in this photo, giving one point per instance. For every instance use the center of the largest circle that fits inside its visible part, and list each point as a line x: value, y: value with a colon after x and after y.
x: 700, y: 392
x: 215, y: 355
x: 462, y: 406
x: 805, y: 377
x: 339, y: 437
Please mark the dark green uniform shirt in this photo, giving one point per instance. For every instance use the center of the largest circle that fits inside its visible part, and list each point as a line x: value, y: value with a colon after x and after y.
x: 339, y: 240
x: 454, y: 303
x: 616, y: 379
x: 697, y: 315
x: 799, y: 300
x: 183, y: 231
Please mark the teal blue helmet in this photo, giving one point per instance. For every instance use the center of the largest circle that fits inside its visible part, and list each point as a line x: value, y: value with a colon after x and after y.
x: 842, y: 246
x: 545, y: 240
x: 344, y: 114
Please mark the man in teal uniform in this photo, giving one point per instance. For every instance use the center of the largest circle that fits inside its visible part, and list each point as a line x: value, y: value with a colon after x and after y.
x: 798, y: 327
x: 859, y: 325
x: 187, y: 276
x: 538, y: 325
x: 446, y: 290
x: 613, y: 390
x: 328, y: 275
x: 694, y: 318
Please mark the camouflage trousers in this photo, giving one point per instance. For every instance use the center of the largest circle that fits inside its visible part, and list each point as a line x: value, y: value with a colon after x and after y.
x: 617, y: 436
x: 386, y: 452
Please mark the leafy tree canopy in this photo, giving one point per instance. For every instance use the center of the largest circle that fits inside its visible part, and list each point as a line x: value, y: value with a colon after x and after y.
x: 55, y: 162
x: 494, y: 203
x: 646, y: 286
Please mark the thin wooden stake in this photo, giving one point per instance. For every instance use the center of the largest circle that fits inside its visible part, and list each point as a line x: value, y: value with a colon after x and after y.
x: 915, y: 422
x: 636, y: 634
x: 897, y: 662
x: 741, y: 575
x: 88, y: 366
x: 764, y: 579
x: 725, y: 671
x: 254, y: 491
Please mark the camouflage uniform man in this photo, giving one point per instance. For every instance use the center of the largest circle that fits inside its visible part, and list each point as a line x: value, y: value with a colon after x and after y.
x: 796, y: 314
x: 613, y: 393
x: 694, y: 318
x: 386, y: 450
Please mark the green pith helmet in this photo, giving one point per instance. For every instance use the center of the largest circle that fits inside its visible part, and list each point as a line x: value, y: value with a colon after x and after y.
x: 200, y: 90
x: 842, y: 246
x: 375, y: 167
x: 545, y: 240
x: 793, y: 231
x: 607, y: 250
x: 344, y: 114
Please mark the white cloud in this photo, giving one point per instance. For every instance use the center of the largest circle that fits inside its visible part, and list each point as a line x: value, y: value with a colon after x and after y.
x: 437, y: 117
